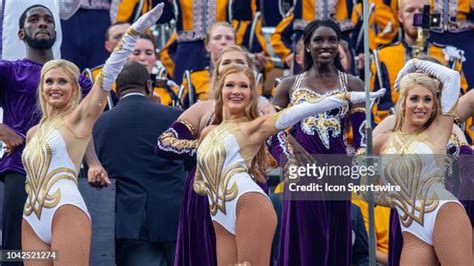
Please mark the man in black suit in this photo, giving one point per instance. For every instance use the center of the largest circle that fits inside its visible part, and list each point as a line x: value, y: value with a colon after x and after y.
x: 149, y: 188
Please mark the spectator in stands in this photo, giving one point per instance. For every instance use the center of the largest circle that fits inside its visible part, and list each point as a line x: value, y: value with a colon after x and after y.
x: 145, y: 54
x: 112, y: 36
x: 195, y: 18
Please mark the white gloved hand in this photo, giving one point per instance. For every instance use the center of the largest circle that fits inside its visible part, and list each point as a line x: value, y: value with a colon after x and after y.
x: 409, y: 67
x: 451, y: 80
x: 359, y: 96
x: 290, y: 116
x: 148, y: 19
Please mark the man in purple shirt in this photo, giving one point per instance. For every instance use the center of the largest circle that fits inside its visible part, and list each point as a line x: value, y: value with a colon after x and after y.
x: 18, y: 97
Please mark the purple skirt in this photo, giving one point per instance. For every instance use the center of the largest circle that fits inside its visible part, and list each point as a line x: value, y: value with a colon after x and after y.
x: 196, y: 241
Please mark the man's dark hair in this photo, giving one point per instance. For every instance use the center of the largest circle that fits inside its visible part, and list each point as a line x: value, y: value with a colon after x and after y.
x: 21, y: 21
x: 133, y: 76
x: 113, y: 25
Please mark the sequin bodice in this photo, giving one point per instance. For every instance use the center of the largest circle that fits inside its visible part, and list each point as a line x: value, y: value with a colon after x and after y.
x: 328, y: 126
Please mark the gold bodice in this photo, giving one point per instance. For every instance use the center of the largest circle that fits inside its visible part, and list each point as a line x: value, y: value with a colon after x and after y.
x: 223, y: 153
x: 46, y: 163
x: 48, y: 160
x: 418, y: 168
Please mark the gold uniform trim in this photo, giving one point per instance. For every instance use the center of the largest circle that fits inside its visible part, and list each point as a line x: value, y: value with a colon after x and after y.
x: 190, y: 127
x: 326, y: 125
x: 169, y: 141
x: 412, y: 195
x: 357, y: 110
x: 211, y: 158
x: 132, y: 32
x: 415, y: 198
x: 37, y: 159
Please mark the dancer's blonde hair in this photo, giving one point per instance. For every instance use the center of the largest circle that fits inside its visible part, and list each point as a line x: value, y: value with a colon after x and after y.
x: 408, y: 82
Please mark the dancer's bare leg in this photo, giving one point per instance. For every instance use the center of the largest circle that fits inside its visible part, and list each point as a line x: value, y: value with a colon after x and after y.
x: 30, y: 241
x: 72, y: 233
x: 452, y: 237
x: 255, y: 228
x: 226, y: 246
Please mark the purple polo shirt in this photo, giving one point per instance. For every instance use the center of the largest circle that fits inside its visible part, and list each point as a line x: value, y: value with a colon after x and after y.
x: 18, y: 97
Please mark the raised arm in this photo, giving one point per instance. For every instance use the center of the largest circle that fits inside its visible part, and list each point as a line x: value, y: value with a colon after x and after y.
x: 465, y: 108
x: 442, y: 126
x: 94, y: 103
x: 265, y: 126
x: 282, y: 93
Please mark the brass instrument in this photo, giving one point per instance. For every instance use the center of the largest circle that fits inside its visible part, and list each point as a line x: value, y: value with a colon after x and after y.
x: 252, y: 30
x: 422, y: 37
x: 187, y: 76
x: 162, y: 80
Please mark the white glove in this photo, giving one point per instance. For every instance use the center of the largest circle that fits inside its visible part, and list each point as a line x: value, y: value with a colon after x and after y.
x: 450, y: 79
x: 124, y: 48
x: 67, y: 8
x: 359, y: 96
x: 148, y: 19
x: 296, y: 113
x: 409, y: 67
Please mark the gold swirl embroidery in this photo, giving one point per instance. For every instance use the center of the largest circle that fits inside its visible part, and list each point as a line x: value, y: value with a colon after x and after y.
x: 169, y: 141
x: 324, y: 123
x: 211, y: 159
x: 415, y: 174
x: 406, y: 172
x: 37, y: 159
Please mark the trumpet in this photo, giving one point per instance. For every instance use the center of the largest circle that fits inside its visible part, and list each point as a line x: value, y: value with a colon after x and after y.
x: 161, y: 80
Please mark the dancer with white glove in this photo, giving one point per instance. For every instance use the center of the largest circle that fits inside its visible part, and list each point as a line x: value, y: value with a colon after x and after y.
x: 435, y: 226
x: 55, y: 217
x: 231, y: 156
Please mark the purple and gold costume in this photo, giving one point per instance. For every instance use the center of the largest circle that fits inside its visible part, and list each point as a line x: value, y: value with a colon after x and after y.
x: 318, y: 232
x: 195, y: 244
